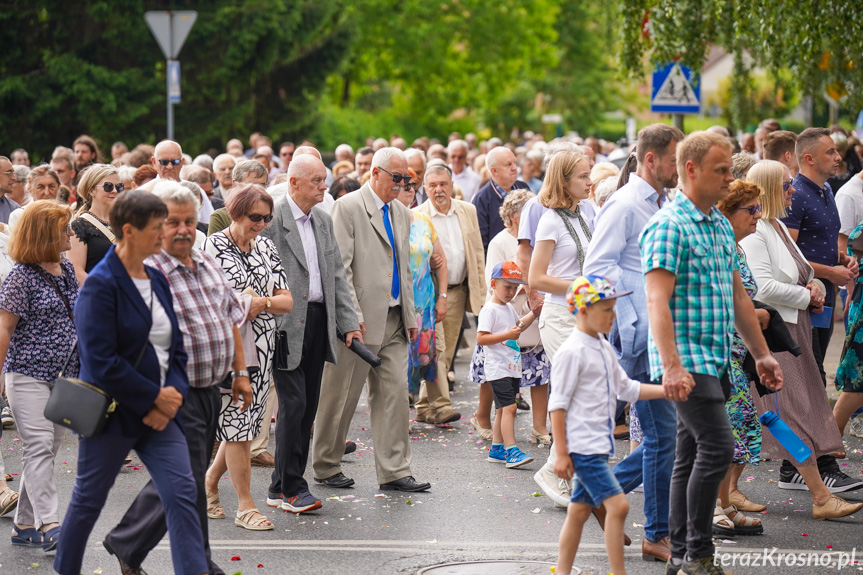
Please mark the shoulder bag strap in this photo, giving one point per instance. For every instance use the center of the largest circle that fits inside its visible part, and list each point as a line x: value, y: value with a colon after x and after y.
x: 100, y: 226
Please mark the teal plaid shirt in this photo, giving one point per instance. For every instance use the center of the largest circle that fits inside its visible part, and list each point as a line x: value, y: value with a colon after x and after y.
x: 700, y: 251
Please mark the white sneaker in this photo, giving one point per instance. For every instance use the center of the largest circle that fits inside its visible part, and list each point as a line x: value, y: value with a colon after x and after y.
x: 6, y: 417
x: 856, y: 427
x: 559, y: 490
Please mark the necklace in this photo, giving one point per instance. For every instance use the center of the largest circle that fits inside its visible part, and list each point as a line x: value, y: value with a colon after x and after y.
x: 101, y: 221
x: 236, y: 244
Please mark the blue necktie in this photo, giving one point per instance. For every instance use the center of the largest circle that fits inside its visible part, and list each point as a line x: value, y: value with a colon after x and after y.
x: 389, y: 228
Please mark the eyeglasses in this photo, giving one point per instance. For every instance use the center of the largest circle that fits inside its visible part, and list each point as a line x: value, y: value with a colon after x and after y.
x: 110, y: 187
x: 8, y: 172
x: 786, y: 185
x: 166, y: 163
x: 398, y: 177
x: 752, y: 210
x: 257, y: 218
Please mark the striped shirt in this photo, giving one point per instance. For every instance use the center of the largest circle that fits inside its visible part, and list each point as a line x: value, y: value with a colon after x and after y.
x: 207, y: 310
x: 699, y: 250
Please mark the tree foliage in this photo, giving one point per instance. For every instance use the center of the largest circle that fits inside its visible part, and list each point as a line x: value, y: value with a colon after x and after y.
x: 92, y: 66
x: 819, y: 43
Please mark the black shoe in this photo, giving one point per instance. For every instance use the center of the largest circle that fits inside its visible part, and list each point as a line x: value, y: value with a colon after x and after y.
x: 406, y: 484
x: 338, y: 480
x: 521, y: 404
x: 838, y: 482
x: 350, y: 447
x: 124, y: 569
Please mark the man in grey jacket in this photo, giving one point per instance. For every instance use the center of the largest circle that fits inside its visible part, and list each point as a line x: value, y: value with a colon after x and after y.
x: 306, y: 337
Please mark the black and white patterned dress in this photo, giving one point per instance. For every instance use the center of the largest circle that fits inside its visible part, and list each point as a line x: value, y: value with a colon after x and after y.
x: 260, y: 269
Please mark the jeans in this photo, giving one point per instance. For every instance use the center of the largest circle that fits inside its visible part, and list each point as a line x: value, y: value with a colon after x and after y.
x: 594, y: 476
x: 651, y: 463
x: 705, y: 448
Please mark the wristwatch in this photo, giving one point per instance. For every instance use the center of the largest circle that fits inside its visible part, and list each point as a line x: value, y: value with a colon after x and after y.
x: 240, y: 373
x: 269, y: 303
x: 443, y: 295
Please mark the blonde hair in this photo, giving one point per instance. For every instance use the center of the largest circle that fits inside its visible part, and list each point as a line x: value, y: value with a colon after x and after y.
x: 91, y: 176
x: 695, y: 146
x: 560, y: 170
x: 769, y: 175
x: 40, y: 234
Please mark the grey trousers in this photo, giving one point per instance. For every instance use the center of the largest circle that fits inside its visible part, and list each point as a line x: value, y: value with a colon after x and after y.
x: 41, y: 439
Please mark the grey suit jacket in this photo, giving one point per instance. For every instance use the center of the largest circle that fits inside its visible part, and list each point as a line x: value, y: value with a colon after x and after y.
x: 337, y: 299
x: 368, y: 260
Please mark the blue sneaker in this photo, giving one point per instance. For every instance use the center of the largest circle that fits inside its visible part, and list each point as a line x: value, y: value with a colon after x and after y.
x: 301, y: 503
x: 516, y: 458
x: 497, y: 454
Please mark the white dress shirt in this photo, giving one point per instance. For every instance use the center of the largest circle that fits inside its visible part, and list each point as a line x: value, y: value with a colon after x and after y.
x: 310, y: 246
x: 380, y: 204
x: 468, y: 182
x: 449, y: 233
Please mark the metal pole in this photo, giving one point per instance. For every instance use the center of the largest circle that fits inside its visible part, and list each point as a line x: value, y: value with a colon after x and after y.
x: 168, y: 76
x: 677, y: 121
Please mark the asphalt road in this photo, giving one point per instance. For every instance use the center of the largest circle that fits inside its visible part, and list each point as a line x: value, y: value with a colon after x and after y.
x: 475, y: 511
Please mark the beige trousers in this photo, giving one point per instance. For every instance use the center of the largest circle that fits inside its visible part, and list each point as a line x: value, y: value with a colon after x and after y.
x: 341, y: 388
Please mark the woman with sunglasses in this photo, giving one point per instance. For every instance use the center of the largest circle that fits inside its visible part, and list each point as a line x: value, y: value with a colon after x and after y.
x: 785, y: 282
x: 97, y: 189
x: 742, y: 207
x: 254, y: 269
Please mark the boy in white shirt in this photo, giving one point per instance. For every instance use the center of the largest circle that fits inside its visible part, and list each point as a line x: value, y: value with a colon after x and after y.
x: 498, y: 328
x: 588, y: 381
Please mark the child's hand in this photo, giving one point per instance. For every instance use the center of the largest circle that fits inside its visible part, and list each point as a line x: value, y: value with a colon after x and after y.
x: 563, y: 467
x: 513, y: 332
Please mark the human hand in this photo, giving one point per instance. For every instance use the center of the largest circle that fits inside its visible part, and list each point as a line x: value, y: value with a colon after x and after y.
x: 156, y: 419
x: 677, y: 383
x: 842, y: 274
x: 538, y: 309
x: 257, y: 305
x: 362, y: 328
x: 563, y: 466
x: 353, y: 335
x: 412, y: 334
x: 241, y: 386
x: 436, y: 261
x: 851, y: 263
x: 513, y: 332
x: 440, y: 309
x: 763, y: 317
x: 168, y: 401
x: 534, y: 298
x: 816, y: 296
x: 769, y: 371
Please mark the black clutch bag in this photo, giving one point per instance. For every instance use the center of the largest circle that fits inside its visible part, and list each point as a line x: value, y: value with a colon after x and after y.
x: 361, y: 350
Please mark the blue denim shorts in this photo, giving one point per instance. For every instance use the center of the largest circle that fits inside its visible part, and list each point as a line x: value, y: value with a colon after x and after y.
x: 594, y: 480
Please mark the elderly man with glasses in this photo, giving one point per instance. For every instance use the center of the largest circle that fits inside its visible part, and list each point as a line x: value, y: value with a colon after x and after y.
x: 7, y: 175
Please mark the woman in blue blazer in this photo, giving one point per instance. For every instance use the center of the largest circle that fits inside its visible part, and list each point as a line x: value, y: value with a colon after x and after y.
x: 131, y: 347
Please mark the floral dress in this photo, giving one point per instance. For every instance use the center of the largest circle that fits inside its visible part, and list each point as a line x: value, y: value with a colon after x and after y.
x: 849, y: 376
x: 740, y: 408
x: 261, y: 270
x: 422, y: 358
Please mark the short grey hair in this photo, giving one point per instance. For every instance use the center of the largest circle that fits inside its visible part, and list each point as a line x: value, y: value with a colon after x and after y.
x: 223, y: 158
x: 604, y: 190
x: 198, y: 174
x: 438, y: 167
x: 345, y: 149
x: 535, y: 156
x: 126, y: 173
x: 177, y: 193
x: 491, y: 156
x: 557, y: 147
x: 246, y: 167
x: 204, y: 160
x: 412, y: 152
x: 385, y: 156
x: 458, y: 144
x: 21, y: 172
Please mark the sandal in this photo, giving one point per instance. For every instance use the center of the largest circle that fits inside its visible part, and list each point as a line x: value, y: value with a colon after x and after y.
x: 9, y: 478
x: 484, y: 434
x: 214, y: 506
x: 253, y: 520
x: 539, y: 438
x: 722, y: 525
x: 743, y: 525
x: 50, y: 539
x: 743, y: 503
x: 839, y: 455
x: 8, y: 501
x: 31, y: 537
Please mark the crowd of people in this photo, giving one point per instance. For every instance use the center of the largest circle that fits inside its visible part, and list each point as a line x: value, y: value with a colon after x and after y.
x: 669, y: 292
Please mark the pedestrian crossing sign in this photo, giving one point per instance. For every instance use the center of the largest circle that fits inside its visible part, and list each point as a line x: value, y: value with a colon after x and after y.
x: 675, y: 90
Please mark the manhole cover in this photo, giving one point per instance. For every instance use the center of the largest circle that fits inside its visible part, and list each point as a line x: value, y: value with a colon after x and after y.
x: 493, y: 568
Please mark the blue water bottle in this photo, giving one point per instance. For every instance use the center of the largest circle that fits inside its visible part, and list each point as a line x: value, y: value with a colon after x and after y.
x: 784, y: 435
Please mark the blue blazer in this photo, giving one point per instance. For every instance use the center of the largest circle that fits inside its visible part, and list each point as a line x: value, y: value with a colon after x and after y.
x: 113, y: 323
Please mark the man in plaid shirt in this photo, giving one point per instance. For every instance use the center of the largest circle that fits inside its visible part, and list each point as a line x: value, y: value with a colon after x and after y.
x: 208, y: 314
x: 695, y: 299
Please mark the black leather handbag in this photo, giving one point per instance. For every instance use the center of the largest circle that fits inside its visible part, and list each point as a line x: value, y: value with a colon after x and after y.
x: 76, y: 404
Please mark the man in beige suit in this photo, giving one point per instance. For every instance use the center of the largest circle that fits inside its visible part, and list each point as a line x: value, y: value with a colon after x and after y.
x: 456, y: 225
x: 373, y: 235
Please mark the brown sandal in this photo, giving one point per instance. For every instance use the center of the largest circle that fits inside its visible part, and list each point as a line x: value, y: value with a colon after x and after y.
x: 214, y: 506
x: 253, y: 520
x: 8, y: 501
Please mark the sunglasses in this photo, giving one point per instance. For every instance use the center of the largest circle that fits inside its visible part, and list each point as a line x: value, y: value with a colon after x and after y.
x: 166, y: 163
x: 110, y: 187
x: 398, y: 177
x: 752, y: 210
x: 257, y: 218
x: 785, y: 186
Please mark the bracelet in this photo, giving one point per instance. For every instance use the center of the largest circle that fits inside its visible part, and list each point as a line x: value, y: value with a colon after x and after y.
x: 520, y: 324
x: 240, y: 373
x: 443, y: 295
